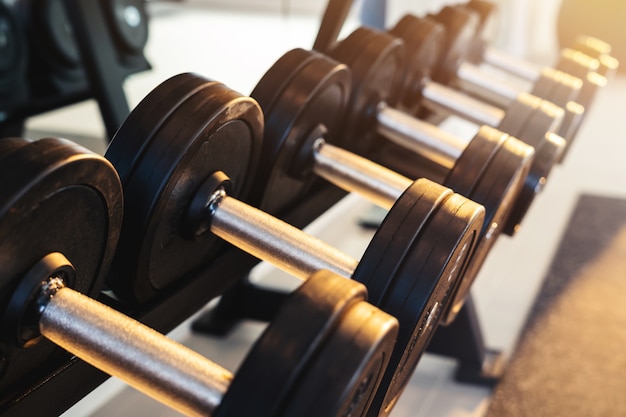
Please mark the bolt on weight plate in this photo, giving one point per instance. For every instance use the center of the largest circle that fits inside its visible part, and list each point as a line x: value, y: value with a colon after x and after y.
x: 55, y: 196
x: 310, y: 90
x: 377, y: 63
x: 323, y: 321
x: 410, y: 268
x: 423, y: 39
x: 215, y: 129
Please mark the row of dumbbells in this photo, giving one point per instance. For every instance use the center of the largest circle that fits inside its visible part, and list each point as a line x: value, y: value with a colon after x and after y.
x: 190, y: 164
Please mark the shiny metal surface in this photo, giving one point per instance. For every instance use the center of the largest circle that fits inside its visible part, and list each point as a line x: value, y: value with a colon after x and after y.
x: 480, y: 83
x: 440, y: 97
x: 508, y: 63
x: 354, y: 173
x: 275, y: 241
x: 421, y: 137
x: 143, y: 358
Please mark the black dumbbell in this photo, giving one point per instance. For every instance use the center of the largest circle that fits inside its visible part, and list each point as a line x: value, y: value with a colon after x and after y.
x: 182, y: 153
x: 324, y: 354
x: 304, y: 97
x: 481, y: 52
x: 377, y: 61
x: 449, y: 69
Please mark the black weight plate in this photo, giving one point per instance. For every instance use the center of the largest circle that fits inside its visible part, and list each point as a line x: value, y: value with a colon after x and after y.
x: 280, y: 74
x: 215, y: 129
x: 347, y: 370
x: 470, y: 166
x: 129, y: 22
x: 543, y: 87
x: 314, y: 93
x: 55, y: 196
x: 9, y: 145
x: 424, y: 40
x: 147, y: 118
x: 461, y: 26
x: 288, y: 347
x: 377, y: 62
x: 11, y: 44
x: 517, y: 114
x: 572, y: 121
x: 57, y: 29
x: 403, y: 267
x: 586, y: 68
x: 576, y: 63
x: 484, y: 10
x: 592, y: 83
x: 568, y: 89
x: 497, y: 190
x: 547, y: 117
x: 422, y: 289
x: 547, y: 153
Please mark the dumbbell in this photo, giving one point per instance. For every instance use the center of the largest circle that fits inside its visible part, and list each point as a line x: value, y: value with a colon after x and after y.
x: 377, y: 61
x: 481, y: 52
x: 324, y: 354
x: 449, y: 69
x: 184, y: 152
x: 304, y: 98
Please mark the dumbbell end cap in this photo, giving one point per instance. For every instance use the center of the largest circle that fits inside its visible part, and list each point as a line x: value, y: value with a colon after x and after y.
x: 198, y: 222
x: 20, y: 325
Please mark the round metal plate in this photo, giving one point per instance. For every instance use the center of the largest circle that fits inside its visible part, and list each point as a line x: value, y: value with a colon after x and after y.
x: 424, y: 40
x: 410, y: 267
x: 147, y: 118
x: 310, y: 90
x: 311, y: 323
x: 461, y: 27
x: 518, y: 113
x: 55, y: 196
x: 497, y: 190
x: 129, y: 21
x: 547, y: 117
x: 215, y: 129
x: 572, y: 121
x: 470, y: 166
x: 350, y: 366
x: 547, y: 154
x: 377, y: 62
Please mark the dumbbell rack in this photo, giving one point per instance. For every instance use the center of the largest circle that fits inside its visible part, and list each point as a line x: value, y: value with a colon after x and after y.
x: 461, y: 340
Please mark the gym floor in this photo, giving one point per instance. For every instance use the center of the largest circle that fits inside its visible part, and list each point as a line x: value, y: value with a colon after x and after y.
x: 236, y: 47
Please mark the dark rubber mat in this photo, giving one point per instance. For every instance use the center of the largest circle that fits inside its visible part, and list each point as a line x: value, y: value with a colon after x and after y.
x: 571, y: 355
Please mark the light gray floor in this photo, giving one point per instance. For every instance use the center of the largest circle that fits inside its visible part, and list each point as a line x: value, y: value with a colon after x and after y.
x: 236, y: 48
